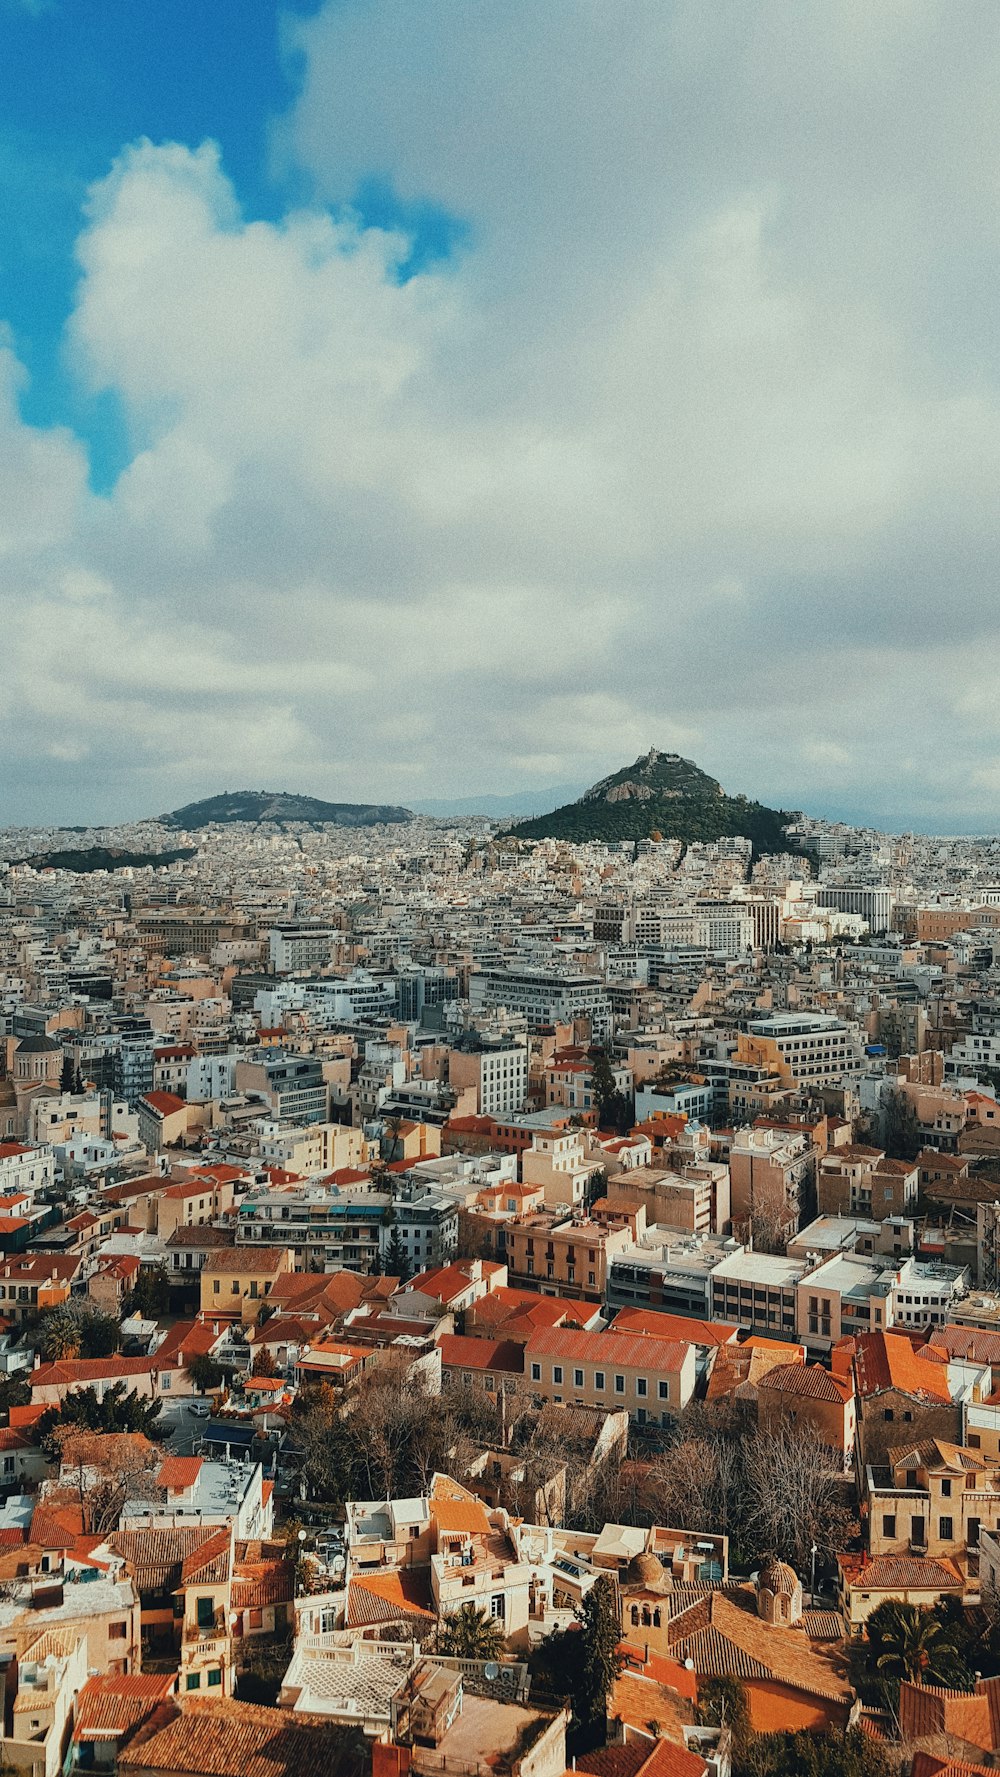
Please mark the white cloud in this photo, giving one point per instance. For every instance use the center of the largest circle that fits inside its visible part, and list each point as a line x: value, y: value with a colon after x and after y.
x: 695, y: 443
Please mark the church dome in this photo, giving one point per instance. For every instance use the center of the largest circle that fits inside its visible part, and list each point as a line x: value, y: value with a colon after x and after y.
x: 777, y: 1577
x: 646, y: 1572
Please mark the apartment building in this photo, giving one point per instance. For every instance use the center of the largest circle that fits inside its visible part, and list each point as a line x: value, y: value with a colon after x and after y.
x: 769, y: 1173
x: 669, y: 1271
x: 806, y: 1049
x: 649, y: 1378
x: 563, y: 1256
x: 561, y: 1163
x: 426, y: 1221
x: 496, y: 1072
x: 543, y: 998
x: 321, y: 1227
x: 861, y: 1181
x: 292, y: 1086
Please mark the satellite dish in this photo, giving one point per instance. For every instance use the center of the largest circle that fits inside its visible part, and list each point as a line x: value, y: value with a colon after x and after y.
x: 491, y: 1670
x: 689, y: 1664
x: 338, y: 1564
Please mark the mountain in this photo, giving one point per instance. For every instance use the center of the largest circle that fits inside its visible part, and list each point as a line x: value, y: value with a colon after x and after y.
x: 495, y: 808
x: 280, y: 808
x: 661, y: 794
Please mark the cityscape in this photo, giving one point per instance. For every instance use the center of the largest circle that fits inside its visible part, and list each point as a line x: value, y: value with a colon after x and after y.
x: 499, y: 889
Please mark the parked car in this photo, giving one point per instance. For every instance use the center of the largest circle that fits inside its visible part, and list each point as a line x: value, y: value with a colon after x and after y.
x: 200, y: 1410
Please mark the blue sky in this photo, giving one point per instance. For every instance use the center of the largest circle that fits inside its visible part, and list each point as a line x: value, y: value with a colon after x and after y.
x: 77, y: 82
x: 406, y: 399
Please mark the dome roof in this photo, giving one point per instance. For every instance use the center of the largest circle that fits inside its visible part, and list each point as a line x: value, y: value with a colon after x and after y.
x: 37, y: 1045
x: 776, y: 1576
x: 647, y: 1572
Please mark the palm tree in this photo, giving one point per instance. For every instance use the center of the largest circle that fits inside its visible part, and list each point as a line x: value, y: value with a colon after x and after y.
x: 60, y: 1335
x: 912, y: 1644
x: 469, y: 1634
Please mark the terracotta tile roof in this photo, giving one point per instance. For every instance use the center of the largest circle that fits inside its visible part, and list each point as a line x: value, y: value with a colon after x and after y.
x: 461, y: 1517
x: 808, y: 1382
x: 248, y: 1259
x: 929, y: 1710
x: 258, y: 1583
x: 724, y: 1636
x: 669, y: 1760
x: 614, y: 1761
x: 888, y: 1360
x: 113, y: 1704
x: 902, y: 1573
x: 179, y: 1471
x: 968, y: 1342
x: 209, y: 1564
x: 68, y: 1371
x: 156, y: 1558
x: 223, y: 1738
x: 458, y: 1352
x: 56, y: 1527
x: 673, y: 1326
x: 381, y: 1597
x: 635, y: 1351
x: 164, y: 1103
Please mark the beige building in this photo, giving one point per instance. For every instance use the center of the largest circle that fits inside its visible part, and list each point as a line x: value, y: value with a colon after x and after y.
x: 651, y: 1379
x: 932, y: 1498
x: 563, y: 1256
x: 236, y: 1281
x: 562, y: 1163
x: 769, y: 1171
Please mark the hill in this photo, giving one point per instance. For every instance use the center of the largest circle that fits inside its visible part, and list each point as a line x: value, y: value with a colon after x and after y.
x: 280, y: 808
x: 666, y: 795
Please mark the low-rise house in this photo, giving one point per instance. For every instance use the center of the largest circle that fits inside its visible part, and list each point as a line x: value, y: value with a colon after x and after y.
x: 863, y: 1584
x: 809, y: 1397
x: 31, y: 1282
x: 219, y: 1737
x: 932, y: 1498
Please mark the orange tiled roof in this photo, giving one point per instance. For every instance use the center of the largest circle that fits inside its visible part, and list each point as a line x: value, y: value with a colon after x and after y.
x: 223, y: 1738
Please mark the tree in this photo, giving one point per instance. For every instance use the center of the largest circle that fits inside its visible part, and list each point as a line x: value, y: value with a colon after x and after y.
x: 151, y: 1296
x: 905, y: 1642
x: 854, y: 1754
x: 722, y: 1703
x: 76, y: 1329
x: 792, y: 1491
x: 324, y: 1445
x: 615, y: 1110
x: 599, y: 1661
x: 204, y: 1372
x: 396, y: 1262
x: 118, y: 1411
x: 66, y: 1076
x: 900, y: 1132
x: 469, y: 1634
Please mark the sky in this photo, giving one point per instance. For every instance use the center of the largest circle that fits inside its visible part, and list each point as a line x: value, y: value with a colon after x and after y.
x: 430, y: 400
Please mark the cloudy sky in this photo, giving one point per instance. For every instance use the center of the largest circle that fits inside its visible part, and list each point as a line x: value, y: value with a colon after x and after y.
x: 410, y: 398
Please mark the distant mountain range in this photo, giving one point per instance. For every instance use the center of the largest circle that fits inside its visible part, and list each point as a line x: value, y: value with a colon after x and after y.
x: 661, y: 796
x: 280, y: 808
x: 496, y: 808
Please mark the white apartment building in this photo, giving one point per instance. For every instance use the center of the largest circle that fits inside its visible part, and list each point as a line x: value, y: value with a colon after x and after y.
x: 298, y: 946
x: 816, y: 1048
x: 542, y: 997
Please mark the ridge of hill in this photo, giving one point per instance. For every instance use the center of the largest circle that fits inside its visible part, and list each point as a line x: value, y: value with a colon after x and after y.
x: 280, y: 807
x: 661, y: 795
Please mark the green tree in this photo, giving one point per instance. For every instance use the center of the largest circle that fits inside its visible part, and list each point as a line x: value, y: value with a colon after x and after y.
x: 905, y: 1642
x: 900, y: 1132
x: 205, y: 1373
x: 151, y: 1296
x: 118, y: 1411
x: 66, y: 1077
x: 75, y: 1329
x: 396, y: 1262
x: 722, y: 1703
x: 469, y: 1634
x: 854, y: 1754
x: 599, y: 1661
x: 615, y: 1110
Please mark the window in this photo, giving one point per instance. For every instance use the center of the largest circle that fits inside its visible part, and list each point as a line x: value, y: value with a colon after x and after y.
x: 557, y: 1374
x: 640, y: 1386
x: 498, y: 1606
x: 577, y: 1378
x: 598, y: 1379
x: 117, y: 1631
x: 619, y: 1385
x: 945, y: 1529
x: 887, y: 1415
x: 215, y: 1675
x: 216, y: 1286
x: 536, y: 1372
x: 193, y: 1681
x: 945, y: 1489
x: 206, y: 1613
x: 889, y: 1525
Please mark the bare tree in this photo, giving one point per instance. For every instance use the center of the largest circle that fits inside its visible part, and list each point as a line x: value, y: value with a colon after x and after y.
x: 794, y: 1495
